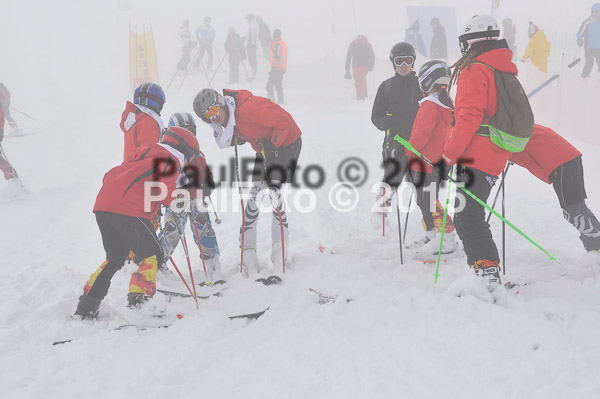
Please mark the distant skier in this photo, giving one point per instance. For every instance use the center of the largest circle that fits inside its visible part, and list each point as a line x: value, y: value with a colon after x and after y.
x: 479, y: 160
x: 538, y: 48
x: 237, y: 117
x: 588, y: 37
x: 141, y: 122
x: 394, y: 111
x: 552, y: 159
x: 175, y: 222
x: 510, y: 35
x: 252, y: 43
x: 205, y: 35
x: 9, y: 172
x: 234, y: 46
x: 125, y: 223
x: 439, y: 45
x: 429, y: 135
x: 187, y: 45
x: 264, y: 35
x: 362, y: 58
x: 5, y: 104
x: 278, y: 64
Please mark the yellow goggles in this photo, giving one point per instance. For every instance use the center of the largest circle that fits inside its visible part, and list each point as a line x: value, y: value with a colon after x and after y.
x: 212, y: 112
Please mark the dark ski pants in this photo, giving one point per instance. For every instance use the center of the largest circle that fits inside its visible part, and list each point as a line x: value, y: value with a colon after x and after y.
x: 279, y: 163
x: 590, y: 55
x: 568, y: 183
x: 251, y: 50
x: 426, y: 198
x: 186, y: 53
x: 275, y: 81
x: 121, y: 234
x: 470, y: 224
x: 205, y: 48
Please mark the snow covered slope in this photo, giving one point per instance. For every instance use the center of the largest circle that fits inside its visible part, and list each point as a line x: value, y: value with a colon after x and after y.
x: 401, y: 335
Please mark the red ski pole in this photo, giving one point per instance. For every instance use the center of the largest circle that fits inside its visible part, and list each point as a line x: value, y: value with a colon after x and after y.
x: 192, y: 221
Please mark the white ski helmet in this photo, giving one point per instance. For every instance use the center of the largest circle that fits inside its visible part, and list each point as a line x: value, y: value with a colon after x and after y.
x: 478, y: 28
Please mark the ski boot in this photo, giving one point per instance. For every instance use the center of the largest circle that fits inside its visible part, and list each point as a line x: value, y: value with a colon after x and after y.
x: 489, y: 270
x: 87, y: 307
x: 251, y: 263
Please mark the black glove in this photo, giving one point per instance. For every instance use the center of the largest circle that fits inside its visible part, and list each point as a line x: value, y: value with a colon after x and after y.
x: 580, y: 42
x: 441, y: 170
x: 386, y: 122
x: 347, y: 75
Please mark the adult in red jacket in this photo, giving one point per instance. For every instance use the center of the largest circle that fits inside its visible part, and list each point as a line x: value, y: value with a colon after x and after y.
x: 140, y: 121
x: 479, y: 161
x: 237, y: 117
x: 552, y: 159
x: 360, y: 54
x: 124, y: 214
x: 278, y: 63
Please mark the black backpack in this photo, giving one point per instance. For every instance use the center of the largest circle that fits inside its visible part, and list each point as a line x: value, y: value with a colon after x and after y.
x: 512, y: 126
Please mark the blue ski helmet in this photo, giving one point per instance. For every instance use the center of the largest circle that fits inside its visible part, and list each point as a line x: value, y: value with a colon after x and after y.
x: 596, y: 7
x: 184, y: 120
x: 149, y: 95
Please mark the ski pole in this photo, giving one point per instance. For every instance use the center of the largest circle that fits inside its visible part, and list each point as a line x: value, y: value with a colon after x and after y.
x: 551, y: 79
x: 409, y: 204
x: 399, y: 225
x: 187, y: 255
x: 178, y: 272
x: 268, y: 178
x: 216, y: 70
x: 503, y: 228
x: 477, y: 199
x: 498, y: 192
x: 199, y: 242
x: 22, y: 113
x: 237, y: 176
x: 437, y: 267
x: 217, y: 220
x: 173, y: 78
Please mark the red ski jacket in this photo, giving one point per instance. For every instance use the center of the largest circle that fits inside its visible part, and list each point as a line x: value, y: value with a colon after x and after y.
x: 141, y: 130
x: 258, y: 118
x: 429, y: 135
x: 122, y: 189
x: 476, y: 94
x: 545, y: 151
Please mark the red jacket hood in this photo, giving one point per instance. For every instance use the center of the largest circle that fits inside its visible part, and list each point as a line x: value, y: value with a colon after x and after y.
x: 239, y: 95
x: 361, y: 39
x: 500, y: 59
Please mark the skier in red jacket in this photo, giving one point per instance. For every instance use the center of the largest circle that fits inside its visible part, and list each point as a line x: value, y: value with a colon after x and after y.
x: 552, y: 159
x: 124, y: 214
x: 141, y: 122
x: 429, y: 135
x: 7, y: 169
x: 479, y: 161
x: 237, y: 117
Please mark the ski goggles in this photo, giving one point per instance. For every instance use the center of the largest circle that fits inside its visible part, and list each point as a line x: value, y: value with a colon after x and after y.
x: 404, y: 60
x: 212, y: 112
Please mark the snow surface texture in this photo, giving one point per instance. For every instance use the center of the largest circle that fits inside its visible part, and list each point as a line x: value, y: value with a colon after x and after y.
x: 400, y: 336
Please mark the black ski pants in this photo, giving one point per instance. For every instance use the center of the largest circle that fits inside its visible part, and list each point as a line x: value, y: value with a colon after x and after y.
x: 470, y: 224
x: 275, y: 81
x: 590, y: 55
x: 121, y: 234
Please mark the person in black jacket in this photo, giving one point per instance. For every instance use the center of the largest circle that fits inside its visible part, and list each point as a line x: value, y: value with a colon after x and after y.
x: 360, y: 55
x: 394, y: 111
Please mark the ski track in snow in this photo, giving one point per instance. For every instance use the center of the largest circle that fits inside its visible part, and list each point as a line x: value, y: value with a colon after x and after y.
x: 400, y: 336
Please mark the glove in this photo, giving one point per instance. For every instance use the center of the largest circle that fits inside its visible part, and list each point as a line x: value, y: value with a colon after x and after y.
x: 441, y: 170
x: 580, y: 42
x: 347, y: 75
x: 386, y: 122
x: 237, y: 141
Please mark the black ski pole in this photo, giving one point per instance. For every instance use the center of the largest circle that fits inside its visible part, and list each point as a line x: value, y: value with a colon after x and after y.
x: 498, y: 192
x: 503, y: 227
x: 217, y: 220
x: 399, y: 226
x: 22, y: 113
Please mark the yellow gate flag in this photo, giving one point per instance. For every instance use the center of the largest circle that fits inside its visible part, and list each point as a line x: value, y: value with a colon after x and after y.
x: 143, y: 66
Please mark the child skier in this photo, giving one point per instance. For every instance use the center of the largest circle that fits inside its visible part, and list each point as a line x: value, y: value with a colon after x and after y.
x: 237, y: 117
x: 141, y: 122
x: 429, y: 135
x: 125, y: 223
x: 552, y: 159
x: 202, y: 229
x: 394, y: 111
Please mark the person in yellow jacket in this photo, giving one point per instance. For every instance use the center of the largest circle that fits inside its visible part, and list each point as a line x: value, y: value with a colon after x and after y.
x: 278, y: 63
x: 538, y: 48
